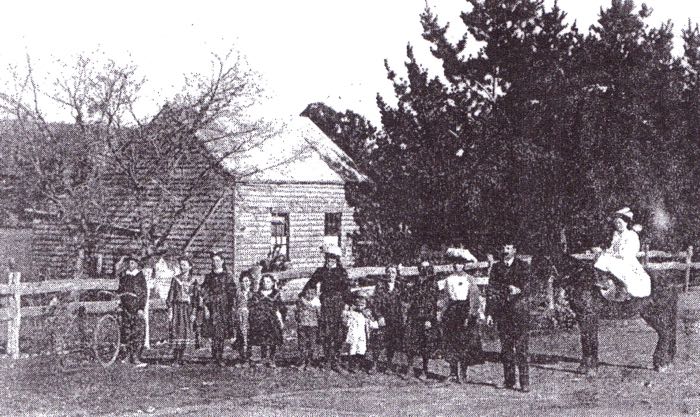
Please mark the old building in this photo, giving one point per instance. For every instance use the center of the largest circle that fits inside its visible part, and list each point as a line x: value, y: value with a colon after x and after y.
x: 285, y: 193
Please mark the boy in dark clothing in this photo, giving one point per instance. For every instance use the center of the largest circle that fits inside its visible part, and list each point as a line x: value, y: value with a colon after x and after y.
x: 387, y: 306
x: 132, y: 291
x: 422, y: 331
x: 308, y: 312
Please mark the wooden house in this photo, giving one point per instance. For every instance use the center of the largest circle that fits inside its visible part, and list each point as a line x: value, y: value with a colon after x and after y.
x: 286, y: 192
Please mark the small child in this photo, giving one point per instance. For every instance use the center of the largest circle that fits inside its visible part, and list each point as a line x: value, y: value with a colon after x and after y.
x: 243, y: 295
x: 308, y: 312
x: 266, y: 319
x: 359, y: 322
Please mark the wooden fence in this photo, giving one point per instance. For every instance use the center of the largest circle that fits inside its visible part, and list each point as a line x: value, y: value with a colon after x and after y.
x: 11, y: 293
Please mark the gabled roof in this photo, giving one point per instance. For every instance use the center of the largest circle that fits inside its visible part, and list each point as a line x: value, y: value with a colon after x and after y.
x: 294, y: 150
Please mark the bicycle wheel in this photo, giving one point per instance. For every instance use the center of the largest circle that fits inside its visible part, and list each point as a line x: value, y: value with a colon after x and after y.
x: 106, y: 340
x: 72, y: 347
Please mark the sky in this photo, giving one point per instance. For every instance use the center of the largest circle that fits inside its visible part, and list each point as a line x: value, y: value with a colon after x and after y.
x: 304, y: 51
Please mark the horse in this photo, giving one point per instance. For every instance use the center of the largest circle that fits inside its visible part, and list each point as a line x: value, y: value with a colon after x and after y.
x: 578, y: 278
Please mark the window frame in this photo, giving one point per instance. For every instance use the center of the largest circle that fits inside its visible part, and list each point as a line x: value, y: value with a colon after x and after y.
x: 333, y: 220
x: 280, y: 239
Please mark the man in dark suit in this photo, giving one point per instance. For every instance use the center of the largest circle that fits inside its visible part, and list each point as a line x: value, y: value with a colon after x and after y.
x: 507, y: 305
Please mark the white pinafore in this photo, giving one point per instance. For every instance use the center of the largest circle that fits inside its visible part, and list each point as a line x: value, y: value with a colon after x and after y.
x: 620, y: 259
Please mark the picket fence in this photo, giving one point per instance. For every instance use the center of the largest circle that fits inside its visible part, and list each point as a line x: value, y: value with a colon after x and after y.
x: 11, y: 293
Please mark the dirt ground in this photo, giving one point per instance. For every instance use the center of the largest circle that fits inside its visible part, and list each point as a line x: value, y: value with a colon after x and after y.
x: 625, y: 385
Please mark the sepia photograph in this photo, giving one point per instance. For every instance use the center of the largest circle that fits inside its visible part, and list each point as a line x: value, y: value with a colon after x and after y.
x: 366, y: 208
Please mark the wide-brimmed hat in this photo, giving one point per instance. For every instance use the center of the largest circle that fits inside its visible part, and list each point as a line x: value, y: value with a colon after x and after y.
x: 460, y: 255
x: 625, y: 214
x: 331, y: 250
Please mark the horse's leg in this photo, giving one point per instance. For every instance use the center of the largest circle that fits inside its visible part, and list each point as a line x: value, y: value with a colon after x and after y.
x: 588, y: 327
x: 674, y: 326
x: 663, y: 321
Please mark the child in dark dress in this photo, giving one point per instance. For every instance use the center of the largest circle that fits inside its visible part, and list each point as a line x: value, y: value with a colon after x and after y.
x: 266, y: 319
x: 218, y: 291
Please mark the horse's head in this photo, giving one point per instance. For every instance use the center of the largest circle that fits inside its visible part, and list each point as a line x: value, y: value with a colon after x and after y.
x: 563, y: 269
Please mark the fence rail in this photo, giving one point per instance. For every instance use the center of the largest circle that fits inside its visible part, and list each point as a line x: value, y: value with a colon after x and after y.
x: 11, y: 293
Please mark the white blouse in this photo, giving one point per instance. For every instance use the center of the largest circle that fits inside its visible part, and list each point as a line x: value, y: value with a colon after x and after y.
x: 625, y: 245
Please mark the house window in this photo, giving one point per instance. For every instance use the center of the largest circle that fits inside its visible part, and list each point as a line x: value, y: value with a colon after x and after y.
x: 332, y: 228
x: 279, y: 240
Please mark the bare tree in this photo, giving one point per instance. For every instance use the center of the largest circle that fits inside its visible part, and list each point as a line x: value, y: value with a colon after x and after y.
x: 112, y: 171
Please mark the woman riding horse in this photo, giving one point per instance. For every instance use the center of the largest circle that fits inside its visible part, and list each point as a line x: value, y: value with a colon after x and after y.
x: 620, y: 260
x: 589, y: 306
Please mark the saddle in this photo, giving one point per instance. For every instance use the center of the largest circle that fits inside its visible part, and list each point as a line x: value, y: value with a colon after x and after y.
x: 611, y: 288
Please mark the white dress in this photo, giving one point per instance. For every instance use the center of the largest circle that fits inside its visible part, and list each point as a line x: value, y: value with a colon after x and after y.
x: 358, y: 331
x: 620, y: 259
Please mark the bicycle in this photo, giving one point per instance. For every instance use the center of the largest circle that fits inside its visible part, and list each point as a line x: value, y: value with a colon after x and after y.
x: 78, y: 345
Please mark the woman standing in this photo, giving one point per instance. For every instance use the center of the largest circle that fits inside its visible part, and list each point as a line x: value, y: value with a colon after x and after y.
x: 267, y: 313
x: 218, y: 291
x: 422, y: 332
x: 620, y: 260
x: 460, y: 321
x: 335, y: 295
x: 182, y: 295
x: 387, y: 307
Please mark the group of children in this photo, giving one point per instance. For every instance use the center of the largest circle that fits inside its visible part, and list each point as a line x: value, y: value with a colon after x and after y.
x: 400, y: 316
x: 251, y: 314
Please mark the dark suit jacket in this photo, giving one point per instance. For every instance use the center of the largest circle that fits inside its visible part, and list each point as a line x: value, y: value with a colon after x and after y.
x: 135, y: 284
x: 509, y: 311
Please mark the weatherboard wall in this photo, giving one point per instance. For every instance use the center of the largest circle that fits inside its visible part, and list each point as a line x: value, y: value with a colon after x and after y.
x: 306, y: 204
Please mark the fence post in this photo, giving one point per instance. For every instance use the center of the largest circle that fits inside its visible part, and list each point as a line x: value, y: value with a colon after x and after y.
x: 688, y: 261
x: 646, y: 254
x: 98, y: 265
x: 148, y: 274
x: 14, y: 308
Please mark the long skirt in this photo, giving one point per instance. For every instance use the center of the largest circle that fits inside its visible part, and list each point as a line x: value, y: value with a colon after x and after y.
x: 331, y: 327
x: 242, y: 328
x: 218, y: 327
x: 181, y: 331
x: 462, y: 339
x: 133, y: 331
x: 629, y: 271
x: 265, y: 329
x: 388, y: 337
x: 418, y: 339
